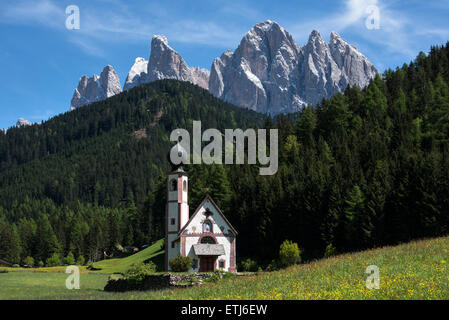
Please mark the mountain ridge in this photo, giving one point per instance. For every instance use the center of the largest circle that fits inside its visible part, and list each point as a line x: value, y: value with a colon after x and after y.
x: 268, y: 72
x: 96, y: 88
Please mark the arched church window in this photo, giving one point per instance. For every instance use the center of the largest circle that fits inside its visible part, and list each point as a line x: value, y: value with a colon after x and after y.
x: 173, y: 185
x: 207, y: 226
x: 208, y: 240
x: 184, y: 186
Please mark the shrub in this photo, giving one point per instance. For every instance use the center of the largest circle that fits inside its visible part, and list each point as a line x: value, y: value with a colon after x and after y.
x: 214, y: 278
x: 218, y: 275
x: 80, y: 261
x: 228, y: 275
x: 53, y: 260
x: 330, y: 251
x: 40, y: 264
x: 289, y: 253
x: 139, y: 271
x: 273, y: 266
x: 15, y: 266
x: 90, y: 266
x: 115, y: 277
x: 28, y: 261
x: 181, y: 264
x: 69, y: 260
x: 249, y: 265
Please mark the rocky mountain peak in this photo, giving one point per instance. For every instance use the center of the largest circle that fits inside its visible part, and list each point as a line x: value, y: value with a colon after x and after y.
x: 164, y: 63
x: 316, y: 44
x: 23, y: 123
x: 96, y: 88
x: 110, y: 81
x: 160, y: 40
x: 138, y: 74
x: 270, y: 73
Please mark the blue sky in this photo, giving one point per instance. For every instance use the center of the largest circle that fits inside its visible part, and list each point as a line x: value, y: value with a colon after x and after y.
x: 41, y: 61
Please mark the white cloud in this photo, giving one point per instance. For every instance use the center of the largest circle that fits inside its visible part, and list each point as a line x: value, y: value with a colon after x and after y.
x: 397, y: 33
x: 43, y: 12
x: 119, y: 23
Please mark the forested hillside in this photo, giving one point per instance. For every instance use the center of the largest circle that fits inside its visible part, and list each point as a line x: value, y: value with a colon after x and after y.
x: 365, y: 168
x: 86, y: 176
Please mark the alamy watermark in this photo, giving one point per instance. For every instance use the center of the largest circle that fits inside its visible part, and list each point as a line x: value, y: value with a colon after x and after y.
x: 373, y: 280
x: 73, y: 21
x: 372, y: 22
x: 233, y: 139
x: 73, y: 281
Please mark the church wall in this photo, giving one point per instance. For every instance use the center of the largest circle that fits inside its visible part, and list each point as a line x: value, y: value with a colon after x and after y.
x: 190, y: 241
x: 172, y: 252
x: 195, y: 230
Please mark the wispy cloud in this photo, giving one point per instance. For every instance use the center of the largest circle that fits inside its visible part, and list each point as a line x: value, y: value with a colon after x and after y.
x: 397, y: 33
x: 43, y: 12
x: 119, y: 23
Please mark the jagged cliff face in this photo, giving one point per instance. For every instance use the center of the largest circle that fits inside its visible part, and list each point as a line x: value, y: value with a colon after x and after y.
x: 96, y: 88
x: 164, y: 63
x: 261, y: 72
x: 137, y: 75
x: 357, y: 69
x: 22, y: 123
x: 270, y: 73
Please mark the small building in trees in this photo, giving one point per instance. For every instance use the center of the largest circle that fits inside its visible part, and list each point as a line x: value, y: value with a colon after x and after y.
x: 206, y: 236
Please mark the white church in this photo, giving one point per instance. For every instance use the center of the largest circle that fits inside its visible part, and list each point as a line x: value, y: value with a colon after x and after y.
x: 207, y: 237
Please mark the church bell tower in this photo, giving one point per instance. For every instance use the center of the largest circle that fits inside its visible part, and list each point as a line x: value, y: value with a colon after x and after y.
x: 177, y: 208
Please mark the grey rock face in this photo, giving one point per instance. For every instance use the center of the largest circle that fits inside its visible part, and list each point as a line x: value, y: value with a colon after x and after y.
x: 260, y: 74
x: 354, y: 65
x: 319, y: 75
x: 200, y: 77
x: 96, y: 88
x: 164, y: 63
x: 216, y: 83
x: 270, y: 73
x: 22, y: 123
x: 137, y: 75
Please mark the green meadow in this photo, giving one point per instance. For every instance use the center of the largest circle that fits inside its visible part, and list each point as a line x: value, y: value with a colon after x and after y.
x: 153, y: 253
x: 418, y: 270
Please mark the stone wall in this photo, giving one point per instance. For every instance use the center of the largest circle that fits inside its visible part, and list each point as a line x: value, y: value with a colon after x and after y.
x: 156, y: 282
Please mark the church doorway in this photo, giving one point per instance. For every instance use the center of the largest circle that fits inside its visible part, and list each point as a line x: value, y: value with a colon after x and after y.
x: 207, y: 263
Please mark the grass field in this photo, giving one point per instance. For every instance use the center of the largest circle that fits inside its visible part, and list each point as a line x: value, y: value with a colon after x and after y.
x: 154, y: 253
x: 418, y: 270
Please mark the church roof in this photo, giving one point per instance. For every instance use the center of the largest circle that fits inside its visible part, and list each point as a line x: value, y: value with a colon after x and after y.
x: 208, y: 198
x: 209, y: 249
